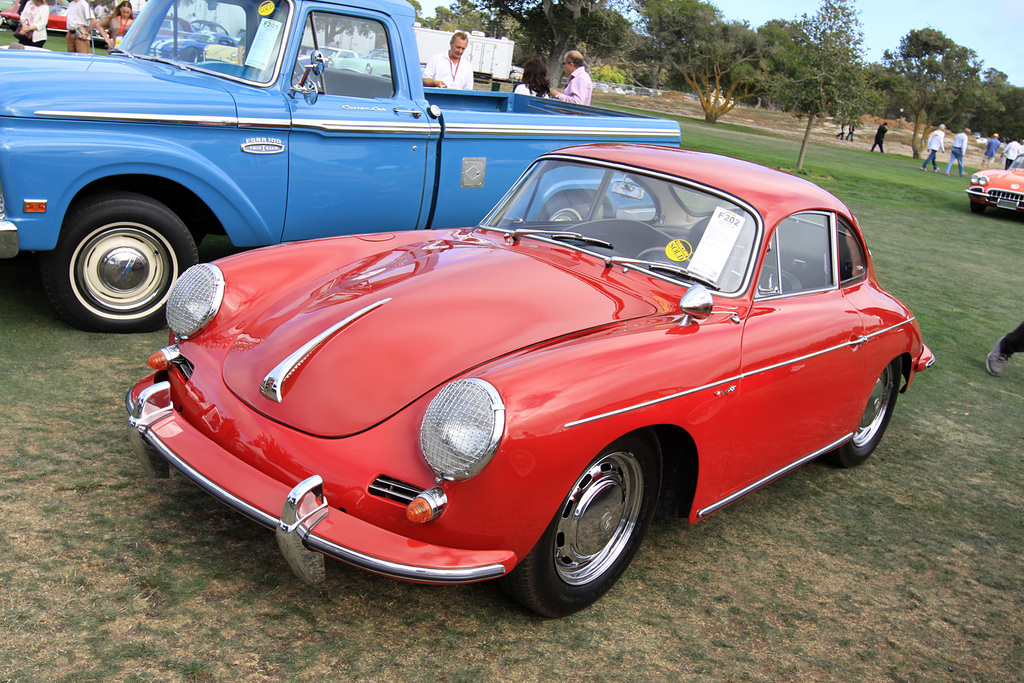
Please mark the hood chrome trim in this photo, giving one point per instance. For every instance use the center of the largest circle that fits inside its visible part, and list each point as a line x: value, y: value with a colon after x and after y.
x: 273, y: 383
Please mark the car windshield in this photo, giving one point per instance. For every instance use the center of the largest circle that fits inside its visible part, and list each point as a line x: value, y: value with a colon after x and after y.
x: 238, y: 39
x: 673, y: 228
x: 1018, y: 163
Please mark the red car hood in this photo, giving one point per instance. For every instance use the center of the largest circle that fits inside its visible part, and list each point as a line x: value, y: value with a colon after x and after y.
x: 451, y: 306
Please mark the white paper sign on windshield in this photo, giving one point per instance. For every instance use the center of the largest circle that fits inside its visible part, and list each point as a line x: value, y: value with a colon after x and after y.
x: 262, y: 50
x: 716, y: 245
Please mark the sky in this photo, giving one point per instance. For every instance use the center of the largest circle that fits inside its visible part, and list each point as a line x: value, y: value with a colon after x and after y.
x: 994, y: 29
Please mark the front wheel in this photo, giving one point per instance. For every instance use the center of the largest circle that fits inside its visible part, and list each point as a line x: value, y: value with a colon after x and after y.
x: 595, y: 533
x: 115, y: 262
x: 977, y: 207
x: 880, y: 407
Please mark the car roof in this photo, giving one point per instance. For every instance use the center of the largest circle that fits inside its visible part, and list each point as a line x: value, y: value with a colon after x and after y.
x: 773, y: 193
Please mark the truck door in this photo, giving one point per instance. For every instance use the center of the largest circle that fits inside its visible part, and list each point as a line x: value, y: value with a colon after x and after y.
x: 358, y: 154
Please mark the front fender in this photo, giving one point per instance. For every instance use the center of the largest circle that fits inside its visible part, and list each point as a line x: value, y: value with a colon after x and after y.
x: 247, y: 194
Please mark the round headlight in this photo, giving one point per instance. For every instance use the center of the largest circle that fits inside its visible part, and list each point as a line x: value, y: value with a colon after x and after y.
x: 194, y: 299
x: 461, y: 428
x: 979, y: 180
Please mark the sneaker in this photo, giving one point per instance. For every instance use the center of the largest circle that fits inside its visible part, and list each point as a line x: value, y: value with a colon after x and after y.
x: 997, y: 360
x: 936, y: 170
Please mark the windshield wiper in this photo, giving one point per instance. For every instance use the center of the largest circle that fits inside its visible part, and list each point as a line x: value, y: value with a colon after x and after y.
x: 164, y: 60
x: 561, y: 235
x: 664, y: 267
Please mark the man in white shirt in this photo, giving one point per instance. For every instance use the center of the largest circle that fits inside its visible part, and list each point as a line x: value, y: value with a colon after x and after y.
x: 1012, y: 151
x: 936, y: 142
x: 447, y: 70
x: 81, y: 21
x: 959, y: 149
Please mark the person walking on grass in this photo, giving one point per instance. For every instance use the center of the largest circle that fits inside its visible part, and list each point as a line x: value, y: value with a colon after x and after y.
x: 958, y: 151
x: 1007, y: 345
x: 936, y: 141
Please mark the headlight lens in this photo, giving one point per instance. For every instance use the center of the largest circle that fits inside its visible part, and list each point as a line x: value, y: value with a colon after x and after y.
x: 461, y: 428
x: 195, y: 299
x: 979, y: 180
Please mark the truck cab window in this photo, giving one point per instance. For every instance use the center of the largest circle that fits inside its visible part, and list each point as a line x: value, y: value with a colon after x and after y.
x: 356, y: 52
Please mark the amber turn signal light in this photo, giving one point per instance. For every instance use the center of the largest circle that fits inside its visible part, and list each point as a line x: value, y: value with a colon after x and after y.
x: 427, y: 506
x: 160, y: 359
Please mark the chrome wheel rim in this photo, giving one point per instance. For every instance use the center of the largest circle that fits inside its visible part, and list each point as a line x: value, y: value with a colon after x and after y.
x: 123, y: 268
x: 874, y: 413
x: 598, y: 518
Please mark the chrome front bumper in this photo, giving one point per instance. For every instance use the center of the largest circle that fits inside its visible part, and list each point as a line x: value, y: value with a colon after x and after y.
x: 8, y: 239
x: 154, y: 426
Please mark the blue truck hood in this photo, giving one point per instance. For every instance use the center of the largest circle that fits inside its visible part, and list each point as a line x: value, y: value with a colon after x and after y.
x: 50, y: 83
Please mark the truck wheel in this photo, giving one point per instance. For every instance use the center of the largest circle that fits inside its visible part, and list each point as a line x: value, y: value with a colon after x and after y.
x: 115, y: 261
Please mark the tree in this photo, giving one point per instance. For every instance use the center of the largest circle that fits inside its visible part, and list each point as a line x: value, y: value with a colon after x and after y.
x: 550, y: 28
x: 821, y: 71
x: 720, y: 61
x: 938, y: 81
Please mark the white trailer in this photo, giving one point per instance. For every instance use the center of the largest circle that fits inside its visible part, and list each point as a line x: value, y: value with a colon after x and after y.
x: 491, y: 56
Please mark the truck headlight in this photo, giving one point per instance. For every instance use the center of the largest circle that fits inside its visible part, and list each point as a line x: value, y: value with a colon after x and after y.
x: 194, y: 299
x: 461, y: 428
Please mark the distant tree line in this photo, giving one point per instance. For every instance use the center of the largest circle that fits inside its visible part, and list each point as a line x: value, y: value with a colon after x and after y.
x: 812, y: 66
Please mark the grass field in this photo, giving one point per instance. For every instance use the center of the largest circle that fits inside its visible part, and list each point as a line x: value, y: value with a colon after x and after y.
x: 905, y: 569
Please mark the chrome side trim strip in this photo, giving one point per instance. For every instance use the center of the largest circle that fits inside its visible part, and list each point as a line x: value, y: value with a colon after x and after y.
x: 339, y: 552
x: 273, y: 383
x: 771, y: 477
x: 853, y: 342
x: 141, y: 118
x: 480, y: 129
x: 368, y: 127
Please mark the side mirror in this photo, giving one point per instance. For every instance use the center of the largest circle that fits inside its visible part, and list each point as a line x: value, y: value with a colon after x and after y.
x: 696, y: 304
x: 314, y: 66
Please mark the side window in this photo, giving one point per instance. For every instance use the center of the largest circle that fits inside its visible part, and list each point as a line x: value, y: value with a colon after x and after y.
x: 799, y: 257
x: 358, y: 61
x: 852, y: 261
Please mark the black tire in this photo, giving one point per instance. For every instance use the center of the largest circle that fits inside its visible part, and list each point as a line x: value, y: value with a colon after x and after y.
x: 585, y: 549
x: 880, y: 407
x: 977, y: 207
x: 114, y: 264
x: 191, y: 55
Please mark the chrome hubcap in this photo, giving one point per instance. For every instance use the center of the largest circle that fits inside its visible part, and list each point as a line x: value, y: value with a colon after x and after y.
x: 874, y: 414
x: 598, y: 518
x: 123, y: 268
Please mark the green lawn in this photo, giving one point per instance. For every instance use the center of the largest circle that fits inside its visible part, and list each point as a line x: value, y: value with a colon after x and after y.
x: 905, y: 569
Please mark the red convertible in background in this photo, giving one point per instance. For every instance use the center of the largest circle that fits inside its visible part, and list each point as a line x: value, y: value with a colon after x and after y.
x: 632, y: 329
x: 1002, y: 189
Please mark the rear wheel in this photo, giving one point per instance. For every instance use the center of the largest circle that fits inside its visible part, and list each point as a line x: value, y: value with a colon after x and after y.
x: 115, y: 262
x: 594, y: 534
x: 880, y: 407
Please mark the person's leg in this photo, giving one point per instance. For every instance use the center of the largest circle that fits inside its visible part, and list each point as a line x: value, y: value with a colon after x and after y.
x: 1007, y: 346
x: 960, y: 163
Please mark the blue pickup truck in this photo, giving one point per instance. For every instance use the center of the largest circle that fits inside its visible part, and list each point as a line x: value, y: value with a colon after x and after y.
x: 266, y: 120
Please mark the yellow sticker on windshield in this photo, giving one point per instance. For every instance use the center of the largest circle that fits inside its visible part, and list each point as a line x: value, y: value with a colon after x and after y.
x: 266, y: 8
x: 678, y: 250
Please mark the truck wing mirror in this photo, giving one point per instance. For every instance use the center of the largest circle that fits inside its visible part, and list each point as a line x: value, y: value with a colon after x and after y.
x: 313, y: 66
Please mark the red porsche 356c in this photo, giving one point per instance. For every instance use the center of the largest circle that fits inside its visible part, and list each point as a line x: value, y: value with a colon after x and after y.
x: 631, y: 330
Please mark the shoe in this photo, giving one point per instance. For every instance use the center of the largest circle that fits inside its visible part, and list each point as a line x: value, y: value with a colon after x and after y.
x: 997, y: 360
x: 936, y: 170
x: 923, y: 168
